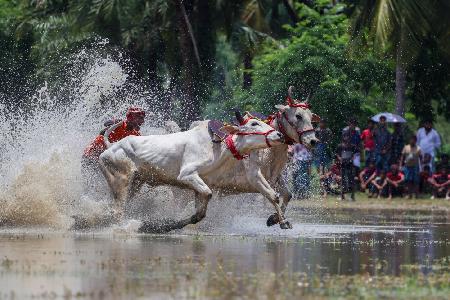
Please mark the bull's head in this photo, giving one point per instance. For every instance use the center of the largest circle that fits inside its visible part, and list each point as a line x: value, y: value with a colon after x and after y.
x: 253, y: 134
x: 297, y: 119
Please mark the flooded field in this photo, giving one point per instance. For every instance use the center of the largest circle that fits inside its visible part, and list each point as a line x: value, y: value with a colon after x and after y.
x: 263, y: 262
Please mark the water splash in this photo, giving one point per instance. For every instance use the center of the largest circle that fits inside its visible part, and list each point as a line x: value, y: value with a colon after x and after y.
x: 42, y: 141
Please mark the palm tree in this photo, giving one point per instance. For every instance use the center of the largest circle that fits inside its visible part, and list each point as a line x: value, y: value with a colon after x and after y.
x: 398, y: 26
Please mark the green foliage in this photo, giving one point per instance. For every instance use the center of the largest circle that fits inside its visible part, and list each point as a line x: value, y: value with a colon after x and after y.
x: 316, y: 61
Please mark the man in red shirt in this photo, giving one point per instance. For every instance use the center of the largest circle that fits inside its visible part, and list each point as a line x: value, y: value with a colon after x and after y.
x: 368, y: 142
x: 394, y: 179
x: 440, y: 183
x: 130, y: 126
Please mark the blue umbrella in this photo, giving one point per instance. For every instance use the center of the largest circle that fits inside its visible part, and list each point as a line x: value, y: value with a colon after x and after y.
x: 390, y: 117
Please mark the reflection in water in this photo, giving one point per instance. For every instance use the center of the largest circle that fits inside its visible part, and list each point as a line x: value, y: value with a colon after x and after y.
x: 114, y: 265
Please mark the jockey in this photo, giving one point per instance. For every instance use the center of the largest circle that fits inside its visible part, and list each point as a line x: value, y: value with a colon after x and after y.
x: 130, y: 126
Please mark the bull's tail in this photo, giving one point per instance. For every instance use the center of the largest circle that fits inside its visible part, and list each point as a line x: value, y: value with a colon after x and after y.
x: 107, y: 133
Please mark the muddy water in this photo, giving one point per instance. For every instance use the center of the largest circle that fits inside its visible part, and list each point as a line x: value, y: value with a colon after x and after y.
x: 109, y: 264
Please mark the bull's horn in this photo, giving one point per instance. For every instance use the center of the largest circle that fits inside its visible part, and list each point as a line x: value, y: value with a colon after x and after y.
x: 290, y: 89
x: 289, y: 97
x: 308, y: 97
x: 239, y: 117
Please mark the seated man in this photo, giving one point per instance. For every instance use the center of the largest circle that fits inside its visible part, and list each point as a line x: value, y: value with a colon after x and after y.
x: 331, y: 180
x: 379, y: 186
x: 367, y: 175
x: 395, y: 179
x: 130, y: 126
x: 424, y: 187
x: 440, y: 183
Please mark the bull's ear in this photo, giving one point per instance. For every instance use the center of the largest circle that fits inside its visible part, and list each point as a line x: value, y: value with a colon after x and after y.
x: 281, y: 107
x: 229, y: 129
x: 315, y: 118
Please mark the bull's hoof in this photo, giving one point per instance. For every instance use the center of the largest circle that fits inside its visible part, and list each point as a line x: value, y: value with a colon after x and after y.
x: 285, y: 225
x: 157, y: 226
x: 272, y: 220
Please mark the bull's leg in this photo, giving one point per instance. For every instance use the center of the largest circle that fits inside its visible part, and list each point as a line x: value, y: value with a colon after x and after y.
x: 255, y: 178
x: 286, y: 197
x: 119, y: 182
x: 203, y: 195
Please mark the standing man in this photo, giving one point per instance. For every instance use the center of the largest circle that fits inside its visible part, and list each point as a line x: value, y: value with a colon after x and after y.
x: 322, y: 150
x: 429, y: 141
x: 397, y: 144
x: 382, y: 145
x: 355, y: 139
x: 368, y: 143
x: 345, y: 153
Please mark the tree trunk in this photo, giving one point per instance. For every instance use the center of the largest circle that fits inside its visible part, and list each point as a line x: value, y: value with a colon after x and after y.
x: 291, y: 12
x: 400, y: 78
x: 248, y: 66
x: 190, y: 107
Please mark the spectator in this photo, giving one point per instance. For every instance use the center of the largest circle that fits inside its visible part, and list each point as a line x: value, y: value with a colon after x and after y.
x: 355, y: 139
x: 368, y: 142
x: 382, y: 145
x: 302, y: 170
x: 322, y: 149
x: 428, y: 140
x: 345, y: 152
x: 379, y: 185
x: 397, y: 144
x: 443, y: 162
x: 331, y: 180
x: 425, y: 174
x: 395, y: 178
x: 410, y: 158
x: 440, y: 183
x: 426, y: 161
x: 367, y: 175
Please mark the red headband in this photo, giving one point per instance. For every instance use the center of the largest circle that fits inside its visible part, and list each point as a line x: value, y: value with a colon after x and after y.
x: 292, y: 103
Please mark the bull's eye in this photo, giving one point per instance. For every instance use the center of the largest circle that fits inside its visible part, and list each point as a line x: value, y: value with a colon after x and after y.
x: 255, y: 124
x: 299, y: 117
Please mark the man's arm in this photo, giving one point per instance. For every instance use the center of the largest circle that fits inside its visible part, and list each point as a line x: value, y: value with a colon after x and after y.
x: 361, y: 179
x: 432, y: 182
x: 438, y: 142
x: 402, y: 178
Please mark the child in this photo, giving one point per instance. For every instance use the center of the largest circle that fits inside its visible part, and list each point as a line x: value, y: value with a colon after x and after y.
x: 322, y: 149
x: 331, y: 180
x: 367, y: 175
x: 440, y: 183
x: 379, y: 185
x: 410, y: 159
x: 395, y: 179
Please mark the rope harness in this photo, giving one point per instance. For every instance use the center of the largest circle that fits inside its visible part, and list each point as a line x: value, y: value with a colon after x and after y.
x: 229, y: 142
x: 282, y: 129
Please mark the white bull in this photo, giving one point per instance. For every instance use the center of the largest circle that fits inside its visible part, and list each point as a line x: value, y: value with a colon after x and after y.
x: 187, y: 159
x: 294, y: 121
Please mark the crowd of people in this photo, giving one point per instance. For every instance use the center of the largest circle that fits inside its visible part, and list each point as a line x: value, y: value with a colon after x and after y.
x: 377, y: 161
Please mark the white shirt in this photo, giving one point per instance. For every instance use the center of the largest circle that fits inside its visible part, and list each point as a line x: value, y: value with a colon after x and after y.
x: 428, y: 142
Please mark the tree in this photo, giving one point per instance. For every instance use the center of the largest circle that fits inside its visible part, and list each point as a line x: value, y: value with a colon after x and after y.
x: 399, y: 26
x: 315, y: 60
